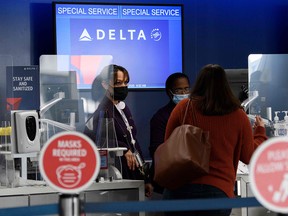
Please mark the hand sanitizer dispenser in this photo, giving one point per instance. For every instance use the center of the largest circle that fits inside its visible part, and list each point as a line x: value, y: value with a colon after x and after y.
x: 276, y: 118
x: 280, y: 126
x: 286, y: 116
x: 286, y: 121
x: 25, y: 131
x: 276, y: 124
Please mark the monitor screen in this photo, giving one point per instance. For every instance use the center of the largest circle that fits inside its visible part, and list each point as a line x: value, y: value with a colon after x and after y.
x: 238, y: 81
x: 145, y: 39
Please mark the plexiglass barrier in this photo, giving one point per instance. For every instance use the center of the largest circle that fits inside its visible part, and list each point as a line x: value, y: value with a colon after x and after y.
x: 8, y: 177
x: 267, y: 91
x: 38, y: 102
x: 71, y: 101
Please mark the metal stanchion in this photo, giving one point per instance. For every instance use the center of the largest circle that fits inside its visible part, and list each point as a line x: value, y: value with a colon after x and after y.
x: 69, y: 205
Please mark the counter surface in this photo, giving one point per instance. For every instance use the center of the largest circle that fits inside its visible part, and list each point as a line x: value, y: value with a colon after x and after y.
x: 39, y: 188
x: 41, y: 194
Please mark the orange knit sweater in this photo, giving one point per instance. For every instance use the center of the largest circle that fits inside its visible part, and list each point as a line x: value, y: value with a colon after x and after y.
x: 231, y: 137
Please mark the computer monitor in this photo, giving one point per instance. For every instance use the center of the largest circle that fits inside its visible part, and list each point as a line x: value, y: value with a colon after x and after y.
x: 146, y: 39
x: 53, y: 83
x: 238, y: 81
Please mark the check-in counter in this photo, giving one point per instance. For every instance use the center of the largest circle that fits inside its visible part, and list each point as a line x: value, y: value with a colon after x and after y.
x: 116, y: 190
x: 244, y: 190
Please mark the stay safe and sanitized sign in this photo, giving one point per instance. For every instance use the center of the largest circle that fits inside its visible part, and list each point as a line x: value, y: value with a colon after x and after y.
x: 269, y: 174
x: 69, y: 162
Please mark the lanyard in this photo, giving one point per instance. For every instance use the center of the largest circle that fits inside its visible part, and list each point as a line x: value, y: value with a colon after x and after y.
x: 129, y: 128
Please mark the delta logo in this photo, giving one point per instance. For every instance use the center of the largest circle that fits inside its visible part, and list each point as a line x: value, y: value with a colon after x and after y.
x: 113, y: 34
x: 85, y: 36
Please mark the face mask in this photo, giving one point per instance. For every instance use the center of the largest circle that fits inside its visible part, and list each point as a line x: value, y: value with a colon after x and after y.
x: 120, y: 93
x: 178, y: 97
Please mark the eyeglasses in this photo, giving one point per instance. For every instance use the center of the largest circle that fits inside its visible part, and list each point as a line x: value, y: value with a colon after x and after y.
x: 181, y: 91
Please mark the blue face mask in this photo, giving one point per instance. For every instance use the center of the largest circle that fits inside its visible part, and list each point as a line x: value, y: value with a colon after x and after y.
x: 178, y: 97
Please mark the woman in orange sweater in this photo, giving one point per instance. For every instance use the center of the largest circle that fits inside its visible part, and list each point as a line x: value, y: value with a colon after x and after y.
x: 232, y: 138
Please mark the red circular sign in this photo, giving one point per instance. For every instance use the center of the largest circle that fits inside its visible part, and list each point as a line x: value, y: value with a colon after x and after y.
x: 269, y: 174
x: 69, y: 162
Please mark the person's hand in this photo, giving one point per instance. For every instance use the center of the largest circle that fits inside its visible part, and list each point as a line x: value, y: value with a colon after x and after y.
x: 131, y: 160
x: 148, y: 189
x: 258, y: 122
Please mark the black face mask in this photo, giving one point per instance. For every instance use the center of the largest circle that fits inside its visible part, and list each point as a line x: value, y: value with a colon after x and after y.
x: 120, y: 93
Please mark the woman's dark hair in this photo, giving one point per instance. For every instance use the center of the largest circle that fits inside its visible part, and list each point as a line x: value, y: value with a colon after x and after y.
x: 170, y: 81
x: 213, y: 93
x: 106, y: 74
